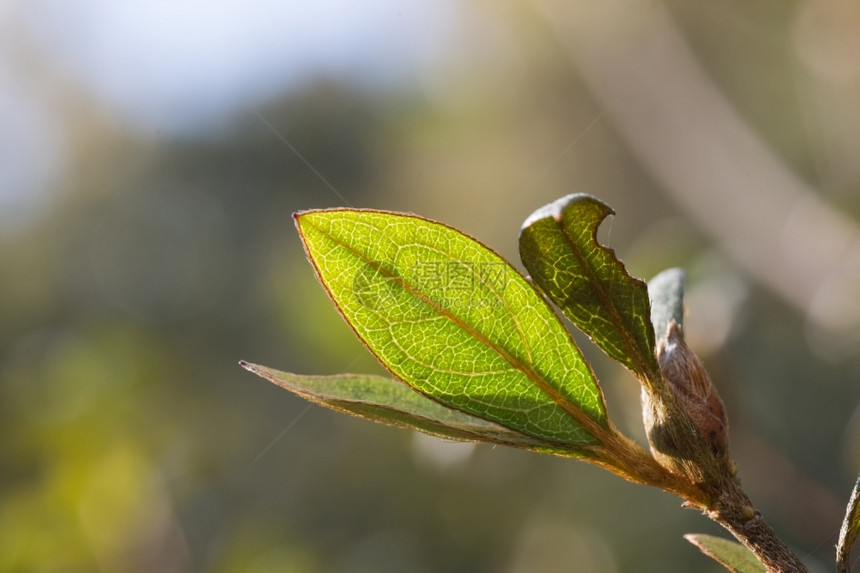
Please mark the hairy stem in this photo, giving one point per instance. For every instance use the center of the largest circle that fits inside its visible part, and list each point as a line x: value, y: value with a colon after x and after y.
x: 734, y: 511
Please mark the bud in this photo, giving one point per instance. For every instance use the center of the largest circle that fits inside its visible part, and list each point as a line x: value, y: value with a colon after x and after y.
x: 687, y: 428
x: 692, y: 387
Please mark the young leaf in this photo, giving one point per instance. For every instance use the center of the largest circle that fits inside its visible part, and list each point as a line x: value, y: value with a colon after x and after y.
x: 392, y: 402
x: 558, y: 246
x: 731, y: 554
x: 849, y: 531
x: 666, y: 291
x: 455, y: 321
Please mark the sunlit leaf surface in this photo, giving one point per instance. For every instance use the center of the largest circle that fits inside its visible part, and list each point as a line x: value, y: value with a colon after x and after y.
x: 455, y: 321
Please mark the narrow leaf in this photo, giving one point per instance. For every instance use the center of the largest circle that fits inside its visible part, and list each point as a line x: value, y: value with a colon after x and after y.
x: 666, y: 291
x: 558, y: 246
x: 455, y: 321
x: 392, y: 402
x: 848, y: 533
x: 731, y: 554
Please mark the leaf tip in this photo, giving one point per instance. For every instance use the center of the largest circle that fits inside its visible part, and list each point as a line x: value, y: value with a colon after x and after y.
x: 297, y: 216
x: 557, y: 207
x: 249, y: 366
x: 285, y: 380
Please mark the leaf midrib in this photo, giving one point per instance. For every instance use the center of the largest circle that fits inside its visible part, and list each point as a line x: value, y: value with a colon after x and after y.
x: 640, y: 362
x: 588, y: 424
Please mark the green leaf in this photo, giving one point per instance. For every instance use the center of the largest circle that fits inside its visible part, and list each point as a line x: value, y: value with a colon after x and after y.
x: 666, y: 291
x: 455, y: 321
x: 558, y: 246
x: 734, y: 556
x: 392, y: 402
x: 849, y: 531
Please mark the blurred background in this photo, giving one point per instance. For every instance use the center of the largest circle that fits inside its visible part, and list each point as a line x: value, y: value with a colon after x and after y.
x: 151, y: 154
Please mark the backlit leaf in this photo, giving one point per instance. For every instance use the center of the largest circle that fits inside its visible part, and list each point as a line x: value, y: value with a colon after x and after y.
x: 558, y: 246
x: 455, y: 321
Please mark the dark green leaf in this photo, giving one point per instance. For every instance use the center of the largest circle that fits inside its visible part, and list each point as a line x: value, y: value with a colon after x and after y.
x: 734, y: 556
x: 392, y: 402
x: 455, y: 321
x: 558, y: 246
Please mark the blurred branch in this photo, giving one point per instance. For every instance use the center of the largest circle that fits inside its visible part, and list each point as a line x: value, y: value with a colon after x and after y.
x: 691, y: 139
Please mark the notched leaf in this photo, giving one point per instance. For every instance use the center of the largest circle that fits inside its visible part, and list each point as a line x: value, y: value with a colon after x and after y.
x: 559, y: 247
x: 731, y: 554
